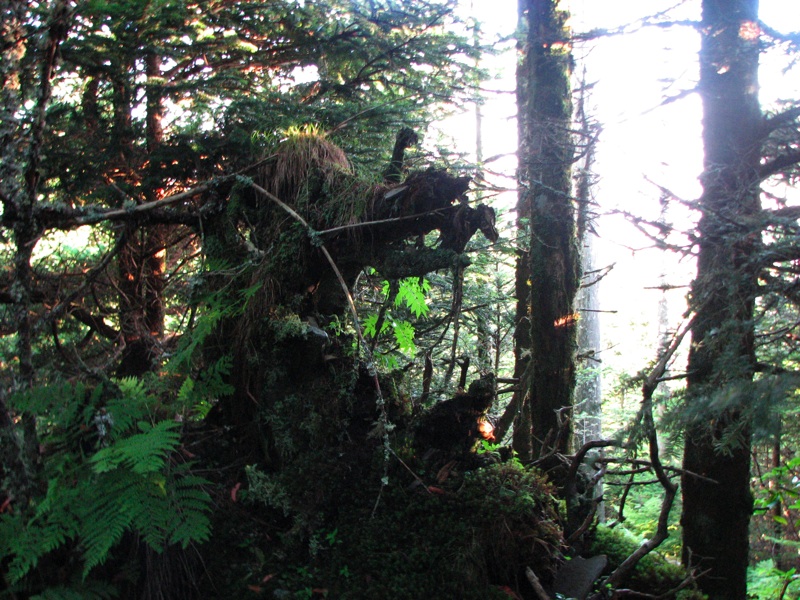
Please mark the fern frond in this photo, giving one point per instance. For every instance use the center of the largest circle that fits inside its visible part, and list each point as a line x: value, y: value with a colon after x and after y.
x: 191, y: 505
x: 53, y: 524
x: 104, y: 516
x: 128, y: 407
x: 144, y: 452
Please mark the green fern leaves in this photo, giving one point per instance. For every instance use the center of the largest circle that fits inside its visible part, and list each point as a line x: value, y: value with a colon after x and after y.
x: 142, y: 452
x: 130, y: 483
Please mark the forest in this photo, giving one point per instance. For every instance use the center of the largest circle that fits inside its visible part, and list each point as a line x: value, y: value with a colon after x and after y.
x: 275, y: 324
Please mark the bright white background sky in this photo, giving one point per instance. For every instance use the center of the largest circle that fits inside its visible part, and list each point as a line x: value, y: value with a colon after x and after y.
x: 642, y: 139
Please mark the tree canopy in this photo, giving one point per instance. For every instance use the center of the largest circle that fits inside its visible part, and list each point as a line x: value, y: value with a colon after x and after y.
x: 263, y: 332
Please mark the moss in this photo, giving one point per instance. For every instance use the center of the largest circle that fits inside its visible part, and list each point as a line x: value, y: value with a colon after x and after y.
x: 316, y: 516
x: 653, y: 574
x: 466, y: 542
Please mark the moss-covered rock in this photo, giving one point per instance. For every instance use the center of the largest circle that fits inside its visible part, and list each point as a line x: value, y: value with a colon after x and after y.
x: 652, y: 575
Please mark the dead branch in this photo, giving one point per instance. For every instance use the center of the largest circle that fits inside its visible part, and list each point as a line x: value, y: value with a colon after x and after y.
x: 670, y: 488
x: 778, y: 164
x: 66, y: 303
x: 622, y: 501
x: 689, y: 580
x: 587, y: 522
x: 536, y: 585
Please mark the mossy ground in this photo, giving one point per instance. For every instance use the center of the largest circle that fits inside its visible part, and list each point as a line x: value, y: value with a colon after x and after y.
x: 653, y: 574
x: 330, y: 529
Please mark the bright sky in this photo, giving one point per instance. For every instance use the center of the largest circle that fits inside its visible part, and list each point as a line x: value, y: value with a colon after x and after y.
x: 644, y: 143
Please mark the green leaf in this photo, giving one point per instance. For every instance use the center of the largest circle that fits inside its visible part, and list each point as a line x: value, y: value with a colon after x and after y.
x: 412, y: 294
x: 143, y: 452
x: 404, y: 334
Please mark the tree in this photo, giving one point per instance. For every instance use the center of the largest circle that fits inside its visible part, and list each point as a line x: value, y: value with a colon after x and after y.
x: 588, y: 390
x: 188, y: 252
x: 548, y: 268
x: 717, y: 502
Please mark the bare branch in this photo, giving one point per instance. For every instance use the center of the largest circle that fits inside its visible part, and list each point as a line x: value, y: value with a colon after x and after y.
x: 65, y: 304
x: 778, y: 164
x: 541, y: 594
x: 780, y: 119
x: 670, y: 489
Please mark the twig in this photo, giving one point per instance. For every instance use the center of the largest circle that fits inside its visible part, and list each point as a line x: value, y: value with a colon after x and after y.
x: 537, y: 587
x: 646, y: 464
x: 381, y: 221
x: 116, y: 213
x: 622, y: 501
x: 87, y: 281
x: 414, y: 475
x: 576, y: 535
x: 580, y: 454
x: 691, y: 578
x: 670, y: 489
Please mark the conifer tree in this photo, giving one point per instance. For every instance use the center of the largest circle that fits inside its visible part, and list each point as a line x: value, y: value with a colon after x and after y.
x: 722, y: 400
x: 548, y: 267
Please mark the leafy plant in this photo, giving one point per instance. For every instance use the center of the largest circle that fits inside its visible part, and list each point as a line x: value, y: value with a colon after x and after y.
x: 766, y: 582
x: 109, y: 470
x: 411, y: 293
x: 410, y: 296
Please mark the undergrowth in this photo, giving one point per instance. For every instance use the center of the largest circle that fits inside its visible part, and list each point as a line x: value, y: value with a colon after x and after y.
x: 110, y: 467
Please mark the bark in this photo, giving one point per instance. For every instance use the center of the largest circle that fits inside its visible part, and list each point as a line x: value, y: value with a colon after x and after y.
x: 546, y: 155
x: 722, y: 356
x: 519, y: 404
x: 21, y: 174
x: 142, y: 264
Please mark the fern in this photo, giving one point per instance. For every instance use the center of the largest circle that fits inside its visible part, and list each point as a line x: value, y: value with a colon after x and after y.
x: 128, y: 407
x: 79, y: 591
x: 128, y: 485
x: 143, y: 452
x: 104, y: 518
x: 52, y: 525
x: 411, y: 292
x: 199, y: 394
x: 218, y: 306
x: 190, y: 506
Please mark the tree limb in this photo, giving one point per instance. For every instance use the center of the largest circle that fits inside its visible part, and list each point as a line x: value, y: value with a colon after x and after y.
x: 670, y: 489
x: 778, y: 164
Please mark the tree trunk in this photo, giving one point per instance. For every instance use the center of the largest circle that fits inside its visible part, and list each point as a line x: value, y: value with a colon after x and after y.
x: 142, y: 262
x: 722, y: 356
x: 20, y: 173
x: 588, y: 389
x: 545, y: 156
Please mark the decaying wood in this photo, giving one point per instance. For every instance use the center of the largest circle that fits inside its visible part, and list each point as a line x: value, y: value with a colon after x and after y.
x: 536, y: 585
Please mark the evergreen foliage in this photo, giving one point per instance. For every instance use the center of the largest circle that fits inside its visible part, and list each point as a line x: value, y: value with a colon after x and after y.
x: 186, y: 192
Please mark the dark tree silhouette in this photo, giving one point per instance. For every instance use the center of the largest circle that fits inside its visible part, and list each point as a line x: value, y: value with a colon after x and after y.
x: 548, y: 268
x: 718, y: 504
x: 404, y: 140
